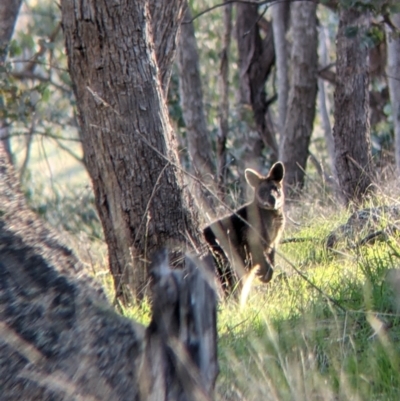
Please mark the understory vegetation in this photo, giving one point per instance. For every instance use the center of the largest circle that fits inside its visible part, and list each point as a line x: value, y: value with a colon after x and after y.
x: 326, y: 328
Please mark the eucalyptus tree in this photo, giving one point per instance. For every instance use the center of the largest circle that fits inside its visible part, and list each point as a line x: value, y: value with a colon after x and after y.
x: 393, y: 76
x: 302, y: 94
x: 351, y: 131
x: 120, y: 56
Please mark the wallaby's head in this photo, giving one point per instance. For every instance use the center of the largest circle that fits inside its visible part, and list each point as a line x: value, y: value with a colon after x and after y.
x: 268, y: 189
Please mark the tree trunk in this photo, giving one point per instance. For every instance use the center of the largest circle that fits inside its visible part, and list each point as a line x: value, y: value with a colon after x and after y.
x: 351, y: 129
x: 302, y: 95
x: 60, y: 340
x: 191, y: 96
x: 324, y: 103
x: 256, y: 58
x: 9, y: 10
x: 393, y: 74
x: 166, y: 18
x: 129, y: 147
x: 280, y: 22
x: 223, y: 91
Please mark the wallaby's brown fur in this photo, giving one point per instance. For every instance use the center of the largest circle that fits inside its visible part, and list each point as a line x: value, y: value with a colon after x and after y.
x: 248, y: 237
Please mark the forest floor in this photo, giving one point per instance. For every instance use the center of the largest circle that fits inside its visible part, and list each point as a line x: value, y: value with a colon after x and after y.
x: 327, y: 327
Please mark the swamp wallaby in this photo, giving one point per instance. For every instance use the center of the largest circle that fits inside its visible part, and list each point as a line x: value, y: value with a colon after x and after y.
x: 244, y: 242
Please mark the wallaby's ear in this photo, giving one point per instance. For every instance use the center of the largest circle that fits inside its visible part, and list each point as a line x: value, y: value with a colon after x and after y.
x: 252, y: 177
x: 277, y: 172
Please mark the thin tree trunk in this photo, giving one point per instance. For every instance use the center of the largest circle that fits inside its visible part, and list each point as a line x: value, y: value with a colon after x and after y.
x: 9, y: 10
x: 280, y: 22
x: 223, y: 86
x: 191, y: 96
x: 351, y: 131
x: 324, y: 103
x: 130, y: 149
x: 256, y: 58
x: 393, y: 74
x: 302, y: 96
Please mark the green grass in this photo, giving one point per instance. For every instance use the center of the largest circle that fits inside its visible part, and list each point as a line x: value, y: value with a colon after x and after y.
x: 291, y: 342
x: 329, y: 333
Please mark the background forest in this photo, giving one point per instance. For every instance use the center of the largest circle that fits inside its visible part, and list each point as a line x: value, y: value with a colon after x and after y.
x: 314, y: 85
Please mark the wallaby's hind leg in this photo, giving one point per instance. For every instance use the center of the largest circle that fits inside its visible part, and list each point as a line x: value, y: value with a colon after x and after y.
x: 264, y: 265
x: 227, y: 276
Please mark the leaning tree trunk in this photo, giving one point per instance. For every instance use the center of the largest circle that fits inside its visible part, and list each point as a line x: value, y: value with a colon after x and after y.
x: 351, y: 128
x: 9, y: 10
x: 256, y: 58
x: 191, y: 97
x: 129, y: 147
x: 393, y: 74
x: 60, y: 340
x: 302, y: 96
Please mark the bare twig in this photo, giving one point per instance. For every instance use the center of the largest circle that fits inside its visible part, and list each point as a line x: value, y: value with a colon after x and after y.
x: 33, y: 61
x: 21, y: 75
x: 29, y: 139
x: 44, y: 134
x: 227, y: 2
x: 68, y: 150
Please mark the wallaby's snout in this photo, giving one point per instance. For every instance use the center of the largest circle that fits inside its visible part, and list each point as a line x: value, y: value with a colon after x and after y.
x: 269, y: 195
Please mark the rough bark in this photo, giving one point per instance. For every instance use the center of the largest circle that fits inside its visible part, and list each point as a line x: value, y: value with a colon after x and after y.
x: 191, y: 97
x: 223, y: 90
x: 351, y: 128
x: 280, y: 23
x: 393, y: 76
x: 129, y: 147
x: 256, y: 58
x: 9, y: 10
x: 166, y: 18
x: 302, y: 95
x: 61, y: 340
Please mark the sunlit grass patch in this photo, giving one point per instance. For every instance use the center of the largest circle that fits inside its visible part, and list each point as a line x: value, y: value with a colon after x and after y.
x: 291, y: 342
x: 325, y: 328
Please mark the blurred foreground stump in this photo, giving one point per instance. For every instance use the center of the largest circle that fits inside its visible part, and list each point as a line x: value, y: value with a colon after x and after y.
x: 61, y: 340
